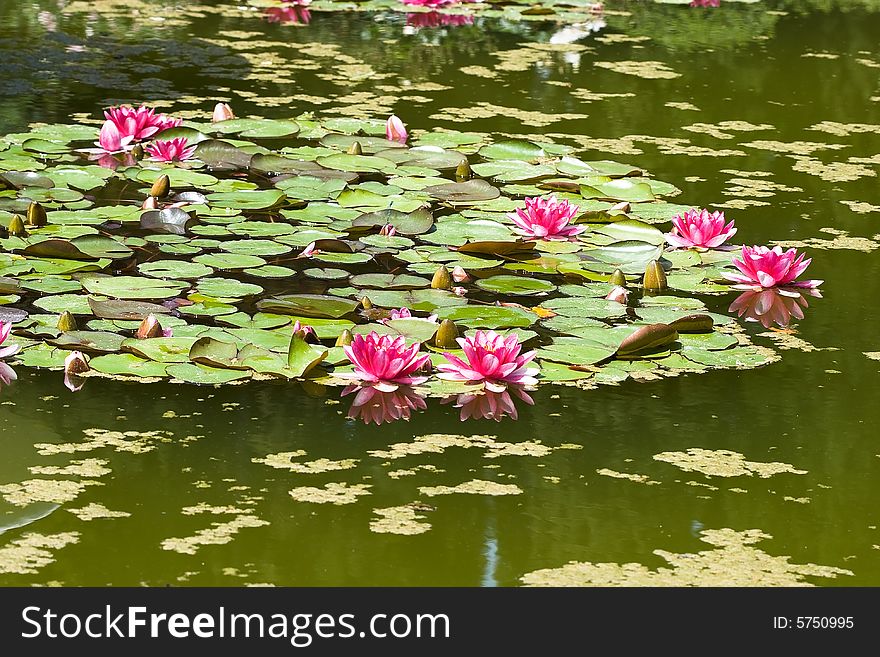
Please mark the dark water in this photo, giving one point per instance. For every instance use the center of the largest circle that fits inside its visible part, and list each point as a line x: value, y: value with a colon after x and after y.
x: 815, y: 409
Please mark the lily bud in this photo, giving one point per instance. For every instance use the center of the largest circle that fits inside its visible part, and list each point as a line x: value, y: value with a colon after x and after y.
x: 366, y: 304
x: 150, y: 203
x: 345, y: 338
x: 161, y: 187
x: 617, y: 278
x: 66, y: 322
x: 463, y: 172
x: 446, y: 335
x: 623, y: 206
x: 459, y: 275
x: 655, y: 278
x: 149, y: 328
x: 355, y: 148
x: 442, y: 280
x: 16, y: 226
x: 618, y: 294
x: 137, y: 152
x: 222, y: 112
x: 646, y: 338
x: 459, y: 291
x: 388, y: 230
x: 305, y: 331
x: 75, y: 365
x: 36, y: 215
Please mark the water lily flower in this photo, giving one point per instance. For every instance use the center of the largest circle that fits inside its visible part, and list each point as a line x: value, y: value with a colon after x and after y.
x: 388, y: 230
x: 170, y: 150
x: 305, y: 330
x: 490, y: 405
x: 700, y: 229
x: 546, y: 218
x: 309, y: 251
x: 385, y: 362
x: 222, y: 112
x: 775, y: 305
x: 139, y: 123
x: 618, y: 294
x: 10, y: 350
x: 459, y: 291
x: 373, y: 405
x: 436, y: 19
x: 404, y: 313
x: 762, y: 267
x: 395, y: 130
x: 74, y: 365
x: 151, y: 328
x: 492, y: 359
x: 111, y: 140
x: 459, y: 275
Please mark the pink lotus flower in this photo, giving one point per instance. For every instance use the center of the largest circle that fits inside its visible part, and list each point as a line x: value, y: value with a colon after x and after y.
x: 699, y: 229
x: 492, y: 359
x: 776, y: 305
x: 546, y: 218
x: 436, y: 19
x: 762, y: 267
x: 618, y: 294
x: 140, y: 123
x: 170, y: 150
x: 395, y: 130
x: 222, y: 112
x: 11, y: 350
x: 490, y: 405
x: 385, y: 362
x: 372, y: 405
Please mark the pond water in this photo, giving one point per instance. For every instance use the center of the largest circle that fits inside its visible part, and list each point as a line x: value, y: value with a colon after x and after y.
x: 769, y: 111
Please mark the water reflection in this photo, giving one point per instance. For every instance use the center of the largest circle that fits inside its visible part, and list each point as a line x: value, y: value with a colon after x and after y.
x: 7, y: 375
x: 777, y: 305
x: 293, y: 14
x: 490, y: 405
x: 436, y: 19
x: 371, y: 405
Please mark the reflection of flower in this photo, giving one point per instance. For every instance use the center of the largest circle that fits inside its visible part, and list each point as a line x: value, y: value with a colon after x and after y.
x: 776, y: 305
x: 546, y: 218
x: 761, y: 267
x: 434, y: 3
x: 491, y: 359
x: 489, y: 405
x: 7, y: 374
x: 170, y: 150
x: 295, y: 15
x: 698, y: 228
x: 436, y: 19
x: 705, y: 3
x: 385, y: 362
x: 372, y: 405
x: 74, y: 365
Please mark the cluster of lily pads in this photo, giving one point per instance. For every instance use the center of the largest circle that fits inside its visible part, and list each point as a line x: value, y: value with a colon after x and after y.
x: 267, y: 254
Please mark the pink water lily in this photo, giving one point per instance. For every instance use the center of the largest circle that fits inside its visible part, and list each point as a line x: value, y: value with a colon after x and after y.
x: 490, y: 405
x: 385, y: 362
x: 404, y: 313
x: 546, y: 218
x: 776, y: 305
x: 388, y: 230
x: 139, y: 123
x: 151, y: 328
x: 618, y: 294
x: 395, y: 130
x: 111, y: 140
x: 75, y: 365
x: 700, y: 229
x: 491, y: 359
x: 10, y: 350
x: 307, y: 332
x: 170, y: 150
x: 309, y: 251
x: 372, y: 405
x: 762, y: 267
x: 222, y: 112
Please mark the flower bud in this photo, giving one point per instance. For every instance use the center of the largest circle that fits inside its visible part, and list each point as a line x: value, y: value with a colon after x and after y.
x: 366, y: 304
x: 16, y: 226
x: 222, y: 112
x: 355, y: 148
x: 345, y: 338
x: 463, y: 172
x: 75, y: 365
x: 459, y: 291
x: 442, y: 280
x: 623, y: 206
x: 161, y: 187
x: 36, y: 215
x: 618, y: 294
x: 66, y: 322
x: 137, y: 152
x: 617, y: 278
x: 446, y: 335
x: 388, y: 230
x: 150, y: 203
x: 149, y: 328
x: 459, y: 275
x: 655, y: 278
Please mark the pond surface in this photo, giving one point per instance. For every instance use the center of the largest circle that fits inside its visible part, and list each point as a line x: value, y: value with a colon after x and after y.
x: 767, y: 110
